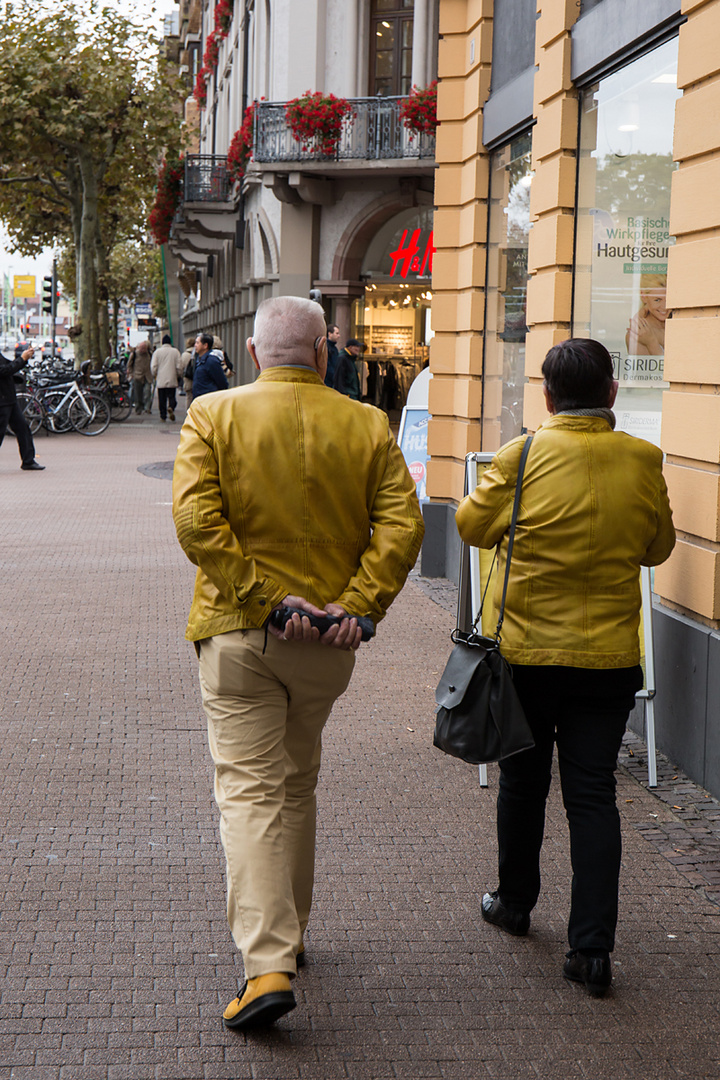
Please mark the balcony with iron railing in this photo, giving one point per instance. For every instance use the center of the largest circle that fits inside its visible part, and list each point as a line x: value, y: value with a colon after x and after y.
x: 372, y: 134
x: 208, y: 214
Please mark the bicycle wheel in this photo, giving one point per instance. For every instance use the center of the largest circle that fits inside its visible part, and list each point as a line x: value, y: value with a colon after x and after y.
x: 89, y: 414
x: 120, y: 406
x: 32, y: 410
x: 56, y: 417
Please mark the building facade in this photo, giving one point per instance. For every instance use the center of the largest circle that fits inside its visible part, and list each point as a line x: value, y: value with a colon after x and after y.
x: 307, y: 216
x: 578, y: 152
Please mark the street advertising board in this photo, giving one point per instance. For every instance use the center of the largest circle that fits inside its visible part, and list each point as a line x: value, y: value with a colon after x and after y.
x: 412, y: 439
x: 143, y: 310
x: 24, y: 286
x: 478, y: 575
x: 412, y: 435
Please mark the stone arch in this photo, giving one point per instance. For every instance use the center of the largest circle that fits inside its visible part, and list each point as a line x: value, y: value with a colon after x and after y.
x: 355, y: 239
x: 269, y: 243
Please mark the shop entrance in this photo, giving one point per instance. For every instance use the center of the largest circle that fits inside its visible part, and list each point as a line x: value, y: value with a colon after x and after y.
x: 392, y: 319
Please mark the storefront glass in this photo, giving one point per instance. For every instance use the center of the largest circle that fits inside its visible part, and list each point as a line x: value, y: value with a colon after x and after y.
x: 623, y: 237
x: 506, y: 291
x: 392, y: 319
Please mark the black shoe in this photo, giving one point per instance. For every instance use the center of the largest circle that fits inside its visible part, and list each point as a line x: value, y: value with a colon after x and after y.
x: 494, y: 911
x: 593, y: 971
x: 32, y: 466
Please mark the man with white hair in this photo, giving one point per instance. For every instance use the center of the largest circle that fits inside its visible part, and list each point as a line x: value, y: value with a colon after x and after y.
x: 285, y: 495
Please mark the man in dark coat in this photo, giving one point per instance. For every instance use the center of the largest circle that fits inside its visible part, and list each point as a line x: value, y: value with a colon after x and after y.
x: 333, y: 336
x: 11, y: 414
x: 347, y: 380
x: 209, y: 375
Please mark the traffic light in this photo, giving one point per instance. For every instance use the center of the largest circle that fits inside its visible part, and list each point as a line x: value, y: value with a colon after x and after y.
x: 47, y: 295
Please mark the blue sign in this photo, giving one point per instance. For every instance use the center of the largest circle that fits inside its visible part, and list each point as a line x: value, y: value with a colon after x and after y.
x: 143, y: 309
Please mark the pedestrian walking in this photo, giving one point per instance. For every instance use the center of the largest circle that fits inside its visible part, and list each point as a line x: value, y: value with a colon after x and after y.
x: 140, y: 375
x: 275, y: 509
x: 166, y: 368
x: 208, y: 374
x: 333, y: 336
x: 218, y: 350
x: 10, y: 412
x: 188, y: 358
x: 594, y: 509
x: 347, y: 380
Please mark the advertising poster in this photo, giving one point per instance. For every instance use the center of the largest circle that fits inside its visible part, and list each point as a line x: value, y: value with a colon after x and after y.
x: 413, y: 445
x: 629, y: 282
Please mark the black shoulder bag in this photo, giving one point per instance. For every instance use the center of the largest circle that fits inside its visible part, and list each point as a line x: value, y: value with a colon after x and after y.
x: 479, y: 717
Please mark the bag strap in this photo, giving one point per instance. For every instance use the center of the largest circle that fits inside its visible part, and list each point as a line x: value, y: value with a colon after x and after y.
x: 511, y: 536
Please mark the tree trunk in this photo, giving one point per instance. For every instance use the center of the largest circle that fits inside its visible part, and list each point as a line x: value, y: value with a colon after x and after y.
x: 87, y: 344
x: 103, y: 277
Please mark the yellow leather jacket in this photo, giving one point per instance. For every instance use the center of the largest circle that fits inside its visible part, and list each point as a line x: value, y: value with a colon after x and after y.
x: 287, y: 487
x: 594, y: 509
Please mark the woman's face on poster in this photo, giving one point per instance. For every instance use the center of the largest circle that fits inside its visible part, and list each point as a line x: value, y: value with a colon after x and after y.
x: 654, y: 300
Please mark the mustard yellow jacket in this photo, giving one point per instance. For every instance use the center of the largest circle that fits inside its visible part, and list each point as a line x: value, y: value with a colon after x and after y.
x: 287, y: 487
x: 594, y: 509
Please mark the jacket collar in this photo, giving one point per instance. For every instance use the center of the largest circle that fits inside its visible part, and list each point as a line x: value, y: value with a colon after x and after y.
x: 290, y: 374
x: 576, y: 423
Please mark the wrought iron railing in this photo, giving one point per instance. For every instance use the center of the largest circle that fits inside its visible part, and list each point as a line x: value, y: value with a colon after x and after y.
x: 372, y: 132
x: 206, y: 178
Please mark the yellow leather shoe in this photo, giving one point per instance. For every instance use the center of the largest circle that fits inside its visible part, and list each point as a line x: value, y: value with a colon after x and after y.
x: 261, y: 1001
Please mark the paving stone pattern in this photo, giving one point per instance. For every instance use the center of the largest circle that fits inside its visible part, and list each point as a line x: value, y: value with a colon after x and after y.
x: 115, y: 958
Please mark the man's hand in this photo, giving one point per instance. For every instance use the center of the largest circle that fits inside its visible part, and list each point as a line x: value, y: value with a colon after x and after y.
x: 347, y: 635
x: 344, y: 635
x: 297, y: 628
x: 28, y: 354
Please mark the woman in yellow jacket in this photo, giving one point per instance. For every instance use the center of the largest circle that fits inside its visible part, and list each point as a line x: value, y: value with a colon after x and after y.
x: 594, y: 509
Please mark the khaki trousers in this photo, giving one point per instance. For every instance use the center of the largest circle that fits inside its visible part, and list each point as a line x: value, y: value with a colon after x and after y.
x: 265, y: 717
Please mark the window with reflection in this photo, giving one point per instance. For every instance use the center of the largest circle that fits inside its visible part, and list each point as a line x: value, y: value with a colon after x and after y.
x: 391, y: 32
x: 623, y: 228
x: 506, y: 293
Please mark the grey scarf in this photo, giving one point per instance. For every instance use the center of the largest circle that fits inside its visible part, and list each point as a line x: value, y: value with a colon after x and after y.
x: 604, y: 414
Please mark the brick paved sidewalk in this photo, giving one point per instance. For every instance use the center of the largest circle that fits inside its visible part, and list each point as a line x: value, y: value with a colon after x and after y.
x: 115, y: 958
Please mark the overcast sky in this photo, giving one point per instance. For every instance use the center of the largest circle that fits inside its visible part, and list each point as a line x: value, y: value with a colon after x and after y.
x: 11, y: 263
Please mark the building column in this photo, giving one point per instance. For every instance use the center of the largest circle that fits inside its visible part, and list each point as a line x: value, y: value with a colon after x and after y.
x: 460, y: 237
x: 296, y: 249
x: 552, y: 197
x: 421, y: 32
x: 690, y: 581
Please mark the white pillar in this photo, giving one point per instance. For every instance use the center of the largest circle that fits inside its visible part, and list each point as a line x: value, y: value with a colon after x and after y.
x: 421, y: 33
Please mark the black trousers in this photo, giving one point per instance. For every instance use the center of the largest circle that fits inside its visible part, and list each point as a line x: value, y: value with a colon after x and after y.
x: 585, y: 712
x: 166, y: 396
x: 11, y: 416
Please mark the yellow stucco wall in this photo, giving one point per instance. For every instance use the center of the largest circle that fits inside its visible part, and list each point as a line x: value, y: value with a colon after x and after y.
x: 690, y: 580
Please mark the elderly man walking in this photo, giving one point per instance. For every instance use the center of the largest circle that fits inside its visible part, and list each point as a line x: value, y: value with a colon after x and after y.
x: 166, y: 368
x: 284, y: 494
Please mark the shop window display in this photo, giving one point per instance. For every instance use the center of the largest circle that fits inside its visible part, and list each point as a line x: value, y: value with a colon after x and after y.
x: 393, y: 316
x: 623, y: 228
x: 506, y: 293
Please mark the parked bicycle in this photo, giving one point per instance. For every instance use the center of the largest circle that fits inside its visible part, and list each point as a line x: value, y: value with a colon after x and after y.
x: 65, y: 407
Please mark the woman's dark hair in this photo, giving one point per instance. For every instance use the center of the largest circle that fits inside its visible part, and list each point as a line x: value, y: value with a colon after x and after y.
x: 578, y: 374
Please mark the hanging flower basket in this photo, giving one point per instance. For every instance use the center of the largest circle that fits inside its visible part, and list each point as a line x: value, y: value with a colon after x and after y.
x: 240, y: 152
x: 223, y: 16
x: 419, y: 110
x: 200, y: 88
x: 212, y: 50
x: 316, y: 120
x: 171, y: 180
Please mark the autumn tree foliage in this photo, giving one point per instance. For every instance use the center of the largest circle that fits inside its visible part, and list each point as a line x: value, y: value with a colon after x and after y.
x: 87, y: 113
